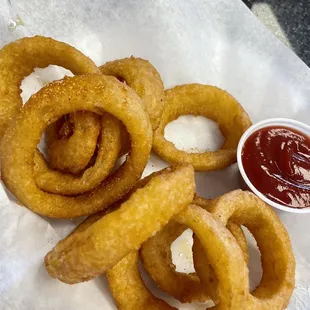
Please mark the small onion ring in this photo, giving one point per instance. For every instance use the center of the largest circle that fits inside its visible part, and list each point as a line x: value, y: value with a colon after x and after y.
x: 56, y: 182
x: 95, y: 93
x: 213, y: 103
x: 157, y: 260
x: 71, y: 143
x: 95, y: 250
x: 144, y: 79
x: 278, y: 263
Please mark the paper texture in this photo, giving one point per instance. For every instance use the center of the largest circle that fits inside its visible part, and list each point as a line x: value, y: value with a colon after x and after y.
x: 211, y: 42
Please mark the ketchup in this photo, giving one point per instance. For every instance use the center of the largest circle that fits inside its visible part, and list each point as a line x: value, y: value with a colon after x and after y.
x: 276, y: 159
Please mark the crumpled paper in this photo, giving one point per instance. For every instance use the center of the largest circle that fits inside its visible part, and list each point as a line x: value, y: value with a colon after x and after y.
x: 212, y: 42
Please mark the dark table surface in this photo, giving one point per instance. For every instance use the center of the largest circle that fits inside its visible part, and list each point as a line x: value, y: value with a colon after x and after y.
x: 289, y: 20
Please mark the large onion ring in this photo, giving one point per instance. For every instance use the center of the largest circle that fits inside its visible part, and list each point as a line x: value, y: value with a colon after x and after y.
x: 278, y: 263
x: 107, y: 241
x: 73, y: 154
x: 18, y: 59
x: 224, y: 255
x: 157, y: 260
x: 72, y: 142
x: 109, y: 146
x: 95, y: 93
x: 213, y: 103
x: 140, y: 75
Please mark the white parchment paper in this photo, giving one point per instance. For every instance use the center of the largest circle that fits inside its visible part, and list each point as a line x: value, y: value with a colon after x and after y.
x: 212, y: 42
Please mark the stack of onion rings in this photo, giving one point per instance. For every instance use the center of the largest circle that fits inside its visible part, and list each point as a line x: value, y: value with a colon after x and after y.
x: 278, y: 281
x: 115, y: 235
x: 71, y: 154
x: 101, y: 242
x: 233, y: 279
x: 95, y: 93
x: 157, y: 260
x: 98, y: 244
x: 92, y: 119
x: 19, y: 59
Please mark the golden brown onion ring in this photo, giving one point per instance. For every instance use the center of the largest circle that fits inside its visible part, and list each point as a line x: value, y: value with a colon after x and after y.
x: 72, y: 154
x: 278, y: 263
x: 213, y: 103
x: 72, y: 142
x: 109, y: 146
x: 119, y: 280
x: 101, y: 246
x: 128, y: 288
x: 18, y: 59
x: 157, y: 259
x: 235, y: 229
x: 95, y: 93
x: 144, y: 79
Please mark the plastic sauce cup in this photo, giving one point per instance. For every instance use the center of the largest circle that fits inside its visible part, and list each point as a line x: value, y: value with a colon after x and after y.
x: 289, y: 123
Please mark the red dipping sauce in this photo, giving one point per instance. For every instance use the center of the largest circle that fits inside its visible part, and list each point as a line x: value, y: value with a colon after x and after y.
x: 276, y: 160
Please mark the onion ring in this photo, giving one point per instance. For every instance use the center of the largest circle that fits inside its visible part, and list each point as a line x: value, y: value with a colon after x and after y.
x: 235, y: 229
x: 18, y: 59
x: 65, y: 155
x: 71, y: 143
x: 278, y: 263
x: 95, y: 93
x: 157, y: 260
x: 230, y: 266
x: 213, y: 103
x: 101, y: 246
x: 118, y: 278
x: 56, y: 182
x: 128, y: 288
x: 144, y: 79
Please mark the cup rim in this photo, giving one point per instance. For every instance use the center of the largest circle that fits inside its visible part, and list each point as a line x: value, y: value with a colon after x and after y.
x: 290, y: 123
